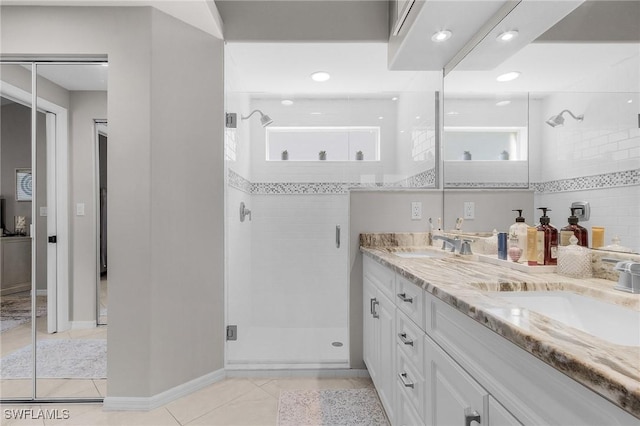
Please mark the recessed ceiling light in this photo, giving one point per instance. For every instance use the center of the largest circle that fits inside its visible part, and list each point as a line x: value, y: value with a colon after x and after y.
x: 441, y: 36
x: 316, y: 113
x: 395, y: 98
x: 286, y: 102
x: 508, y: 35
x: 320, y: 76
x: 380, y: 118
x: 630, y: 101
x: 453, y: 113
x: 508, y: 76
x: 401, y: 131
x: 502, y: 103
x: 417, y: 117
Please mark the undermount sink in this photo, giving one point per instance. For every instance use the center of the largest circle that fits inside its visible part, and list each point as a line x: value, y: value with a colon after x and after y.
x: 607, y: 321
x: 419, y: 254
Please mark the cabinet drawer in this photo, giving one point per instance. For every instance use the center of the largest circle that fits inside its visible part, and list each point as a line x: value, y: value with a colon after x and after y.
x: 409, y: 339
x: 411, y: 383
x: 384, y: 278
x: 407, y: 414
x: 410, y: 299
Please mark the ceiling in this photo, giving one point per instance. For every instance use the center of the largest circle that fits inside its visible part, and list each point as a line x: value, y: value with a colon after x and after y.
x: 285, y: 68
x: 201, y: 14
x: 359, y: 66
x: 76, y: 76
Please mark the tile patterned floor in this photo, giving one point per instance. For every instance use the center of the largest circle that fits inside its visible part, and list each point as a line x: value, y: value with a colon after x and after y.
x: 234, y: 401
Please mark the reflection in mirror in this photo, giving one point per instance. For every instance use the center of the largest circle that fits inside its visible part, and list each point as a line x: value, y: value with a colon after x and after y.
x: 51, y: 344
x: 485, y: 141
x: 573, y: 65
x: 16, y: 302
x: 71, y: 347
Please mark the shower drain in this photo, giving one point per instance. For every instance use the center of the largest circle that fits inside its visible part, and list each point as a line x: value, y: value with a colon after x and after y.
x: 336, y: 344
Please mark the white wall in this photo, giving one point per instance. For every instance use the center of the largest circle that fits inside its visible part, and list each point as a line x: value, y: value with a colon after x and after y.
x: 165, y: 179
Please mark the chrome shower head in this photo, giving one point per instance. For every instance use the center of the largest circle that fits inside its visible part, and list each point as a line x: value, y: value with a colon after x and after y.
x: 558, y: 120
x: 265, y: 120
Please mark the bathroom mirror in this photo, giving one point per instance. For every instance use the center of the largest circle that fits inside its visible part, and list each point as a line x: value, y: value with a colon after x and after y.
x: 575, y: 89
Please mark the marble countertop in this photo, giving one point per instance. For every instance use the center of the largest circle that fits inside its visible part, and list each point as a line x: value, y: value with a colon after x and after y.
x: 613, y: 371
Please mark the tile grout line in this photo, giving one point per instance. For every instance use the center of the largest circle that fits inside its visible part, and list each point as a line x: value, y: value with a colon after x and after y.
x: 215, y: 408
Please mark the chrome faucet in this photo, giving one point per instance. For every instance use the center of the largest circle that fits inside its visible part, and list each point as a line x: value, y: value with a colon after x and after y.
x: 461, y: 246
x: 629, y: 279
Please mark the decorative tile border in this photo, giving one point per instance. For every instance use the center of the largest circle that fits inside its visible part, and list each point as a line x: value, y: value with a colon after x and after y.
x: 238, y: 182
x: 288, y: 188
x: 427, y: 179
x: 488, y: 185
x: 420, y: 180
x: 601, y: 181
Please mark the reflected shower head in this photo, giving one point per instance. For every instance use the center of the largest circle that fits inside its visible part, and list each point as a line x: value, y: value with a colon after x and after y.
x: 558, y: 120
x: 265, y: 120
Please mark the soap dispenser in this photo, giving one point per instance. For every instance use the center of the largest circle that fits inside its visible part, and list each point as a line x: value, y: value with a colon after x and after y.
x: 518, y: 235
x: 547, y: 240
x: 572, y: 229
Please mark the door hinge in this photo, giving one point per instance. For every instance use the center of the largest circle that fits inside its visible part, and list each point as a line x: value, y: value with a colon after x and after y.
x: 53, y: 239
x: 232, y: 332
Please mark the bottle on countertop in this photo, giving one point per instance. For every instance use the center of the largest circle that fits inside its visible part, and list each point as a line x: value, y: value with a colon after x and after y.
x: 518, y: 234
x: 547, y: 240
x: 573, y: 229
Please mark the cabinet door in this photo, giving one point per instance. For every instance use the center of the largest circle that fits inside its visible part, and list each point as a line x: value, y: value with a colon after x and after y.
x: 499, y: 416
x: 369, y: 335
x: 385, y: 311
x: 454, y: 398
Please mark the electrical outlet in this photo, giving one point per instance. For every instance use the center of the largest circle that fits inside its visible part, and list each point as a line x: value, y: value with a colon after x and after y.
x: 416, y: 210
x: 469, y: 210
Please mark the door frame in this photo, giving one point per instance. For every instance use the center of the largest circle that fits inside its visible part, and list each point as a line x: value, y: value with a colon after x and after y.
x: 100, y: 128
x: 58, y: 283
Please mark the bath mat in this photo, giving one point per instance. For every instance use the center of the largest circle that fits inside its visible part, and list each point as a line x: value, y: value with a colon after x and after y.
x: 330, y: 407
x: 15, y: 309
x: 59, y: 359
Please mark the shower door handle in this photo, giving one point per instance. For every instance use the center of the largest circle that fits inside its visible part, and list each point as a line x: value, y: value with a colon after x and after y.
x: 337, y: 236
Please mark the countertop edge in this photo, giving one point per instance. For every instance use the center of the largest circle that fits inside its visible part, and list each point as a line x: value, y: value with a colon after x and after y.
x: 618, y: 388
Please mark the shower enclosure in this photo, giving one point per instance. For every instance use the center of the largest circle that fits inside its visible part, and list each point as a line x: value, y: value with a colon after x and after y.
x: 293, y: 167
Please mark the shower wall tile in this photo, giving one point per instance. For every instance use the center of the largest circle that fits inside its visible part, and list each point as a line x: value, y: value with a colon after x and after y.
x: 298, y: 262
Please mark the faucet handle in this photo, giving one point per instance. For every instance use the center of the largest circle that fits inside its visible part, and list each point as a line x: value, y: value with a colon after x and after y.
x: 465, y: 249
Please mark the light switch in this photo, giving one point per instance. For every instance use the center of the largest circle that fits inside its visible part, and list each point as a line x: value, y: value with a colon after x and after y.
x: 43, y: 211
x: 80, y: 209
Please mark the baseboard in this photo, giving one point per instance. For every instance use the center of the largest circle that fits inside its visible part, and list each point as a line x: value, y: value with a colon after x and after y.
x: 83, y: 325
x: 123, y: 403
x: 323, y: 373
x: 41, y: 292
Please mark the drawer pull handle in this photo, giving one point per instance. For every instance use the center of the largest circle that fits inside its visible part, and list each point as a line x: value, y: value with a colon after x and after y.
x: 403, y: 339
x: 404, y: 297
x: 373, y: 307
x: 470, y: 416
x: 406, y: 384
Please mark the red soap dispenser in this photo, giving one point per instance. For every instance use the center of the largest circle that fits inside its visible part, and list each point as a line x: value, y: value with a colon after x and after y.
x: 547, y: 240
x: 572, y: 229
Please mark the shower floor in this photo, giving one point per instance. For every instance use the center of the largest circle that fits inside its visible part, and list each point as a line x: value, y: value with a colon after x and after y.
x: 291, y: 348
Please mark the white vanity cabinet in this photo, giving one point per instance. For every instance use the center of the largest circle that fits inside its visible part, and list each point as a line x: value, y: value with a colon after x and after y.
x: 456, y: 398
x: 379, y: 331
x: 433, y: 365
